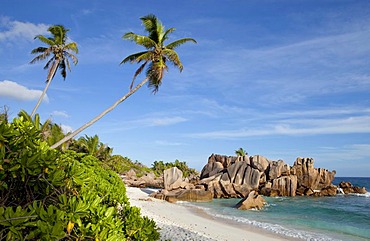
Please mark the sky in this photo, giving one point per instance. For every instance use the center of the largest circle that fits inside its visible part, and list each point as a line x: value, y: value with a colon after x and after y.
x: 281, y: 79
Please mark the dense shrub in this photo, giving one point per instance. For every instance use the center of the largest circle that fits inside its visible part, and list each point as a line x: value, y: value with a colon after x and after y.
x: 122, y: 164
x: 49, y: 195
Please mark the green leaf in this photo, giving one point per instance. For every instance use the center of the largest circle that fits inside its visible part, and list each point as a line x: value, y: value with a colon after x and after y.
x: 109, y: 211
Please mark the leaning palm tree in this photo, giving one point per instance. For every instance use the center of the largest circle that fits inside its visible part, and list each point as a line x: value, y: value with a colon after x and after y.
x: 58, y: 47
x: 154, y: 58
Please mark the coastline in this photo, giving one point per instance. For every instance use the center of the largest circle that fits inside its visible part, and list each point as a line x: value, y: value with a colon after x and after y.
x: 179, y: 222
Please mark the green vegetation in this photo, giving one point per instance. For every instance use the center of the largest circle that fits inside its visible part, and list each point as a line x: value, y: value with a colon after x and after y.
x: 74, y: 192
x: 159, y: 166
x: 122, y: 164
x: 57, y: 46
x: 241, y: 152
x: 46, y: 194
x: 154, y: 59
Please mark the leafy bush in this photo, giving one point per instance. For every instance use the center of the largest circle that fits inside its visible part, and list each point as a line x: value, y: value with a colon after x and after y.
x: 122, y: 164
x: 49, y: 195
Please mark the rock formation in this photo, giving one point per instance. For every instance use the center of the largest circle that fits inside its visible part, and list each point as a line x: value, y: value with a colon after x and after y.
x: 230, y: 176
x: 176, y: 188
x: 253, y: 201
x: 147, y: 180
x: 347, y: 188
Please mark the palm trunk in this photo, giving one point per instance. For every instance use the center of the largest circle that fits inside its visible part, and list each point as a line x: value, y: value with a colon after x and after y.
x: 48, y: 82
x: 73, y: 134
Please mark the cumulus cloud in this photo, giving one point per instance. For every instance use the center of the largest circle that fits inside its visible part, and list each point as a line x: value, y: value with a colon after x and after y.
x: 13, y: 90
x: 20, y: 30
x: 60, y: 113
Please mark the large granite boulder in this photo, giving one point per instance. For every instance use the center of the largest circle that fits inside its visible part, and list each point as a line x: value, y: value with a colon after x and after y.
x: 253, y: 201
x: 172, y: 178
x: 259, y: 162
x: 309, y: 177
x: 277, y: 169
x: 285, y: 186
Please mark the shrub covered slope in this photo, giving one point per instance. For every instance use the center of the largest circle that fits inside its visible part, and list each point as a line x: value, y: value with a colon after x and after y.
x: 46, y: 194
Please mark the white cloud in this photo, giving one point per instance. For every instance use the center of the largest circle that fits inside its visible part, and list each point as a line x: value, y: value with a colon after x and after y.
x: 66, y: 129
x: 165, y: 121
x: 13, y: 90
x: 60, y: 113
x: 168, y: 143
x: 21, y: 30
x: 314, y: 122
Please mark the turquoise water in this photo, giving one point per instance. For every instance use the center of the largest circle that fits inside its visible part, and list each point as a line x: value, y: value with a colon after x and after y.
x: 343, y: 217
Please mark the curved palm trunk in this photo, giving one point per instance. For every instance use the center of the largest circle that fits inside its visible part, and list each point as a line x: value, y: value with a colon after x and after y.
x: 48, y: 82
x: 73, y: 134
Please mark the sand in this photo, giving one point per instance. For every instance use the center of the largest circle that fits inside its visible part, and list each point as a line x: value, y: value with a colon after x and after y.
x: 178, y: 222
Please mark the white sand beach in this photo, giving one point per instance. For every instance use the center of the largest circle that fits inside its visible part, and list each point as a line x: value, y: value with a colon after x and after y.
x: 179, y: 222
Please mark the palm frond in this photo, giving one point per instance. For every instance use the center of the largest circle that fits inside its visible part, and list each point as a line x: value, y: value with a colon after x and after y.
x: 66, y: 63
x: 133, y: 57
x: 155, y: 73
x: 48, y: 63
x: 71, y: 56
x: 48, y: 41
x: 173, y: 57
x: 72, y: 46
x: 140, y: 39
x: 59, y: 33
x: 179, y: 42
x: 40, y: 57
x: 153, y: 26
x: 38, y: 50
x: 168, y: 31
x: 62, y: 68
x: 137, y: 72
x: 149, y: 21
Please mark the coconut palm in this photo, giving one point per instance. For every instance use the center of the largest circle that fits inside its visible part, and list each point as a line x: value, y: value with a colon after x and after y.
x: 155, y: 59
x: 60, y: 50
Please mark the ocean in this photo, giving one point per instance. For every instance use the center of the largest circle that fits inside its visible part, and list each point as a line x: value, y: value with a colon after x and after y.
x: 342, y: 217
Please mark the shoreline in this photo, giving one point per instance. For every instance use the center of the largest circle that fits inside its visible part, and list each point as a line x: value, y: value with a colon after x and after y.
x: 179, y: 222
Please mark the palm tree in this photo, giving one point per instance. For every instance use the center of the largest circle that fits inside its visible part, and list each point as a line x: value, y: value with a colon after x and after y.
x: 155, y: 58
x: 241, y: 152
x: 58, y: 46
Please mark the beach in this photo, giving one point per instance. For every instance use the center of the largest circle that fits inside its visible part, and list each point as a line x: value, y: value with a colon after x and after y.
x: 178, y: 222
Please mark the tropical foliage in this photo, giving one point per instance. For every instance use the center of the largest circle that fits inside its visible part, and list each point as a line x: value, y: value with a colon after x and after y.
x: 155, y: 58
x: 157, y: 54
x: 49, y: 195
x: 159, y: 166
x: 92, y: 146
x: 60, y: 50
x: 240, y: 152
x: 122, y: 165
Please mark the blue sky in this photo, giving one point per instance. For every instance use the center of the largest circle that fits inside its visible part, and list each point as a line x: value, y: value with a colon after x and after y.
x: 283, y: 79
